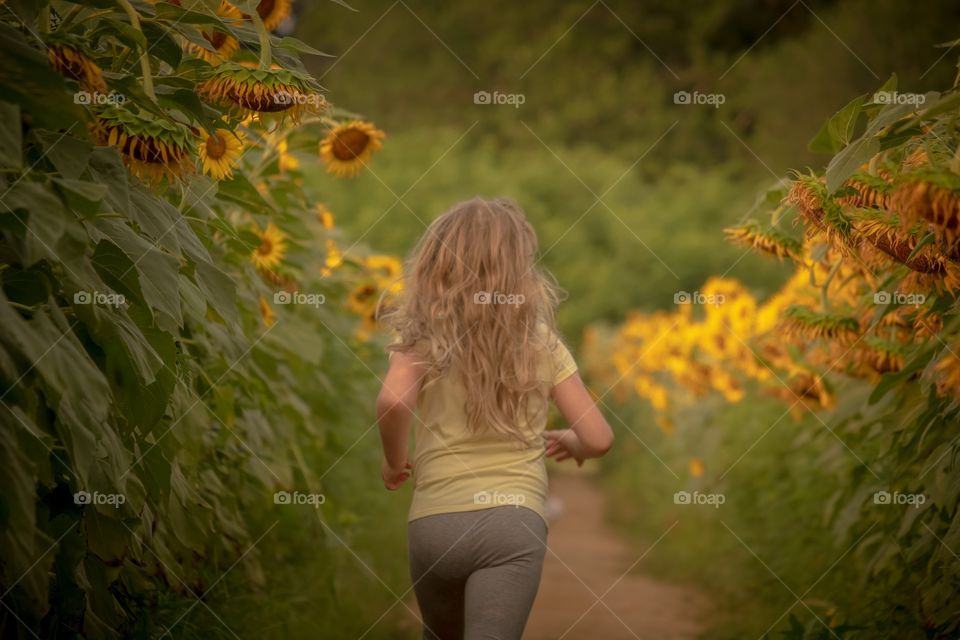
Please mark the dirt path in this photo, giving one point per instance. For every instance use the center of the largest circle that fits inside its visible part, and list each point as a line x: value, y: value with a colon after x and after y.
x: 586, y: 555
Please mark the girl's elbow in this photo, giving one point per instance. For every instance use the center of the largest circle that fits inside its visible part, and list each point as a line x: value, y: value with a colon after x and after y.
x: 602, y: 444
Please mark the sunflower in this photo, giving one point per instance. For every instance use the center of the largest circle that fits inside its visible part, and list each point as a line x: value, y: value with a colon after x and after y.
x: 220, y: 153
x: 152, y: 148
x: 286, y: 161
x: 804, y: 323
x: 73, y: 64
x: 266, y: 312
x: 250, y: 90
x: 222, y: 44
x: 272, y: 248
x: 333, y: 259
x: 273, y: 12
x: 769, y: 241
x: 947, y: 373
x: 348, y: 147
x: 386, y: 271
x: 695, y: 466
x: 362, y: 298
x: 325, y: 216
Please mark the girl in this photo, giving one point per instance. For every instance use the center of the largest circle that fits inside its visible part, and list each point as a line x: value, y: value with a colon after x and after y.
x: 475, y: 362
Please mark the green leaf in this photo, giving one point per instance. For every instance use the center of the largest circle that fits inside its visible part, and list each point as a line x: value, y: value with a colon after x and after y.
x: 837, y: 132
x: 82, y: 196
x: 847, y: 162
x: 219, y: 289
x: 302, y: 47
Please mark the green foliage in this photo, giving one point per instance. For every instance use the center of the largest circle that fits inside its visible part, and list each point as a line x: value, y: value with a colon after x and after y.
x: 149, y: 413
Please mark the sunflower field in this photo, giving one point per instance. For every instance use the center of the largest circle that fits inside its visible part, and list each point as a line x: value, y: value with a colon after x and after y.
x: 181, y: 328
x: 860, y: 347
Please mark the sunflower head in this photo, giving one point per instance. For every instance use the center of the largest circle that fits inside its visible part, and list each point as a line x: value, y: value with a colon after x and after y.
x: 152, y: 147
x: 272, y: 248
x: 800, y: 322
x: 222, y: 45
x: 363, y: 298
x: 273, y: 12
x: 72, y: 63
x: 770, y: 241
x: 249, y: 90
x: 220, y: 152
x: 348, y: 147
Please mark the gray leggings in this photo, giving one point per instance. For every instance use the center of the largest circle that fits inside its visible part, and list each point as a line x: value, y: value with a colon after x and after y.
x: 476, y: 573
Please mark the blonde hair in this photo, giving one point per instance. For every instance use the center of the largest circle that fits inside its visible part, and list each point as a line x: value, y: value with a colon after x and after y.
x: 477, y: 305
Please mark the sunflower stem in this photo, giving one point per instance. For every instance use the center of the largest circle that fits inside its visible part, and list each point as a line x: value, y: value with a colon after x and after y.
x: 824, y: 298
x: 263, y: 35
x: 144, y: 58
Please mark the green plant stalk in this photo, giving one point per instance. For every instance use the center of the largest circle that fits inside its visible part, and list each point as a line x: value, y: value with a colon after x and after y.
x: 264, y: 37
x: 824, y: 298
x: 144, y: 58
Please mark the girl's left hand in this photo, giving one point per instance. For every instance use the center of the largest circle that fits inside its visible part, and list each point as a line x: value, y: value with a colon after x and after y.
x: 394, y: 478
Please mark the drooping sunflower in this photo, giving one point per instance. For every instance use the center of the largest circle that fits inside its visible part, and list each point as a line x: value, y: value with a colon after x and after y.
x: 273, y: 12
x: 72, y: 63
x: 152, y: 147
x: 272, y: 248
x: 250, y: 90
x: 946, y: 372
x: 220, y: 152
x: 804, y: 323
x: 222, y: 44
x: 347, y: 147
x: 769, y: 241
x: 266, y: 312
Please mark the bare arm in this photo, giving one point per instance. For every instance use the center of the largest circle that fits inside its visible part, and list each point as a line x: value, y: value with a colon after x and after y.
x: 589, y: 435
x: 396, y: 404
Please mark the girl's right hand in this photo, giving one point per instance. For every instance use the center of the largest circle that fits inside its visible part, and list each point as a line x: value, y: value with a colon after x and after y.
x: 564, y: 444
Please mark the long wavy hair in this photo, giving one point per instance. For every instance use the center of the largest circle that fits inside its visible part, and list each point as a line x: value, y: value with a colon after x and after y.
x: 477, y: 305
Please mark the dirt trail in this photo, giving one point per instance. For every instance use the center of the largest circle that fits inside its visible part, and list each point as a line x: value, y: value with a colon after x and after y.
x: 587, y: 555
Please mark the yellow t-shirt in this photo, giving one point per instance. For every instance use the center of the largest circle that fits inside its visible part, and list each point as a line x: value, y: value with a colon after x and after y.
x: 456, y: 469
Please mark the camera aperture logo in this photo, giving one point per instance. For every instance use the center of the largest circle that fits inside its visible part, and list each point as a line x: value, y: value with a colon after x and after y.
x: 896, y: 97
x: 497, y: 98
x: 101, y: 298
x: 696, y: 98
x: 912, y: 499
x: 898, y: 298
x: 495, y: 297
x: 96, y: 497
x: 98, y: 99
x: 696, y: 498
x: 299, y: 297
x: 685, y: 297
x: 496, y: 498
x: 299, y: 498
